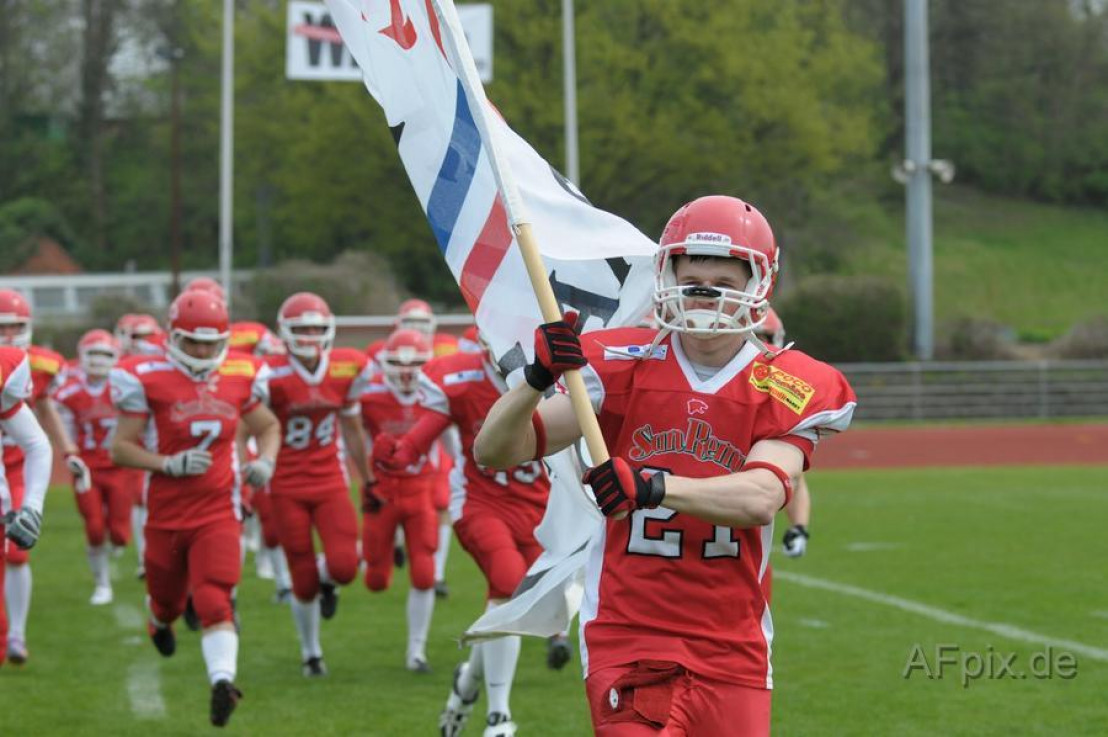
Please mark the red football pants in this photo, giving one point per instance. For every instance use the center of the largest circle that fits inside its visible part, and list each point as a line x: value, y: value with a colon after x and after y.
x: 409, y: 506
x: 109, y: 500
x: 630, y: 701
x: 263, y: 505
x: 205, y: 561
x: 499, y: 534
x: 333, y: 517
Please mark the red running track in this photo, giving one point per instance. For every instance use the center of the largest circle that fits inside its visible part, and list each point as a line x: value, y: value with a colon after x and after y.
x: 978, y: 445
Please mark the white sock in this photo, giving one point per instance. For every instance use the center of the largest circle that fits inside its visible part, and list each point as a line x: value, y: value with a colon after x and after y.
x: 305, y: 615
x: 138, y: 519
x: 282, y: 579
x: 500, y: 657
x: 442, y: 552
x: 471, y: 676
x: 321, y: 564
x: 221, y: 654
x: 98, y: 563
x: 17, y: 593
x: 398, y: 538
x: 421, y: 603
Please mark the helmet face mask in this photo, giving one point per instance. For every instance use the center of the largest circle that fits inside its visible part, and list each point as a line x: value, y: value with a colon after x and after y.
x: 15, y: 319
x: 97, y: 353
x: 696, y: 289
x: 306, y: 326
x: 404, y: 354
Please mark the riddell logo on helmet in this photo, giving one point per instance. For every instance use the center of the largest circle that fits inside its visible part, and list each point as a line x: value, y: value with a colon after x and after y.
x: 709, y: 238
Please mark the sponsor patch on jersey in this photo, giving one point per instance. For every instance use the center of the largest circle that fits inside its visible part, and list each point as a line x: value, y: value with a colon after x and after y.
x: 635, y: 352
x: 375, y: 389
x: 236, y: 367
x: 461, y: 377
x: 344, y: 370
x: 145, y: 368
x: 247, y: 337
x: 45, y: 364
x: 789, y: 390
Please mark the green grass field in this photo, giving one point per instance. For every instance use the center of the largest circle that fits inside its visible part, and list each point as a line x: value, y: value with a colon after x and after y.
x: 1017, y: 547
x: 1036, y: 267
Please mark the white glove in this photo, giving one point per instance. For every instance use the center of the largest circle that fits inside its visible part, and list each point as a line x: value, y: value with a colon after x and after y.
x: 258, y: 472
x: 82, y: 476
x: 191, y: 462
x: 24, y: 527
x: 795, y: 541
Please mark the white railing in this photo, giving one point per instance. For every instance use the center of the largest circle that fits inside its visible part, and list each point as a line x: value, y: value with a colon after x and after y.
x: 72, y: 295
x: 979, y: 390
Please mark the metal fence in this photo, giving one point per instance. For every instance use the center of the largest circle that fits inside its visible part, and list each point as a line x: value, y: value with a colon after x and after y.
x: 979, y: 390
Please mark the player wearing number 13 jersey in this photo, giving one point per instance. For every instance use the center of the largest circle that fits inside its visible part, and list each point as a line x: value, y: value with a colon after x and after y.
x: 314, y: 390
x: 178, y: 419
x: 706, y: 427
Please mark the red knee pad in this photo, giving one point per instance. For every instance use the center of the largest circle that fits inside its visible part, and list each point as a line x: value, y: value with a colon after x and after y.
x: 343, y: 567
x: 212, y: 603
x: 378, y: 578
x: 305, y: 576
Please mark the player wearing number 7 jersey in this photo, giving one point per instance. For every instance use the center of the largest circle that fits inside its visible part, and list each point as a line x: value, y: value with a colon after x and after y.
x: 706, y: 427
x: 314, y: 391
x: 188, y: 406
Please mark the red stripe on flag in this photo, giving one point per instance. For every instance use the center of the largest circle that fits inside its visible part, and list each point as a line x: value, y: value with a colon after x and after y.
x: 434, y: 20
x: 487, y: 254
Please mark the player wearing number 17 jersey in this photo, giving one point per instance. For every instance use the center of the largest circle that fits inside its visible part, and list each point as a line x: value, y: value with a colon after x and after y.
x: 706, y: 427
x: 179, y: 416
x: 314, y: 391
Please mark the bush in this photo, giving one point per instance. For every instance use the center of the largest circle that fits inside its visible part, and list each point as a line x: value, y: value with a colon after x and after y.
x: 1086, y: 340
x: 973, y: 339
x: 22, y: 222
x: 846, y: 318
x: 355, y: 283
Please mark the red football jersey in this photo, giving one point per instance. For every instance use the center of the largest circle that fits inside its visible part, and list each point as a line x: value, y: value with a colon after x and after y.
x: 464, y: 387
x: 15, y: 380
x: 47, y: 371
x: 254, y: 338
x: 667, y: 586
x: 185, y: 412
x: 308, y: 405
x: 89, y: 415
x: 444, y: 344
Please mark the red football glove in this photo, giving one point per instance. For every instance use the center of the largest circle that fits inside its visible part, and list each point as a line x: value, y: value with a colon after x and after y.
x: 620, y: 487
x: 392, y: 454
x: 371, y: 502
x: 557, y: 349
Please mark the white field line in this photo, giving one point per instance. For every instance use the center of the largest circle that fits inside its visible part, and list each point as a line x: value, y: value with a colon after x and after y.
x: 128, y: 617
x: 1001, y: 629
x: 144, y: 689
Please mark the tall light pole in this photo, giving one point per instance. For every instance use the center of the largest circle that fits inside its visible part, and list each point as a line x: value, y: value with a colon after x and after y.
x: 569, y: 80
x: 918, y: 169
x: 226, y: 149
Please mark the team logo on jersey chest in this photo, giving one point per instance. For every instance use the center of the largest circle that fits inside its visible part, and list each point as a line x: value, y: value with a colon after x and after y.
x: 205, y: 404
x: 789, y: 390
x: 344, y: 370
x: 698, y: 439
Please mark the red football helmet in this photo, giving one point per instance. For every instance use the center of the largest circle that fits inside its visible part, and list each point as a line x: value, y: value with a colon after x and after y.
x: 403, y: 355
x: 724, y: 227
x: 199, y: 316
x: 415, y: 314
x: 772, y: 329
x: 306, y: 310
x: 206, y: 284
x: 97, y: 352
x: 15, y: 319
x: 146, y: 337
x: 123, y: 331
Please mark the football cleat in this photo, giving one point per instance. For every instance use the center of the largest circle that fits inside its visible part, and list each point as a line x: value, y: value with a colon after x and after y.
x: 225, y: 697
x: 163, y: 638
x: 328, y: 600
x: 282, y: 596
x: 101, y: 595
x: 557, y: 652
x: 499, y: 724
x: 314, y: 668
x: 192, y: 619
x: 399, y: 557
x: 17, y: 651
x: 418, y: 664
x: 453, y: 718
x: 140, y: 573
x: 442, y: 590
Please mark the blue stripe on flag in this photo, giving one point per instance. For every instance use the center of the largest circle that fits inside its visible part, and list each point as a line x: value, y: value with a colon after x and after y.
x: 455, y: 174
